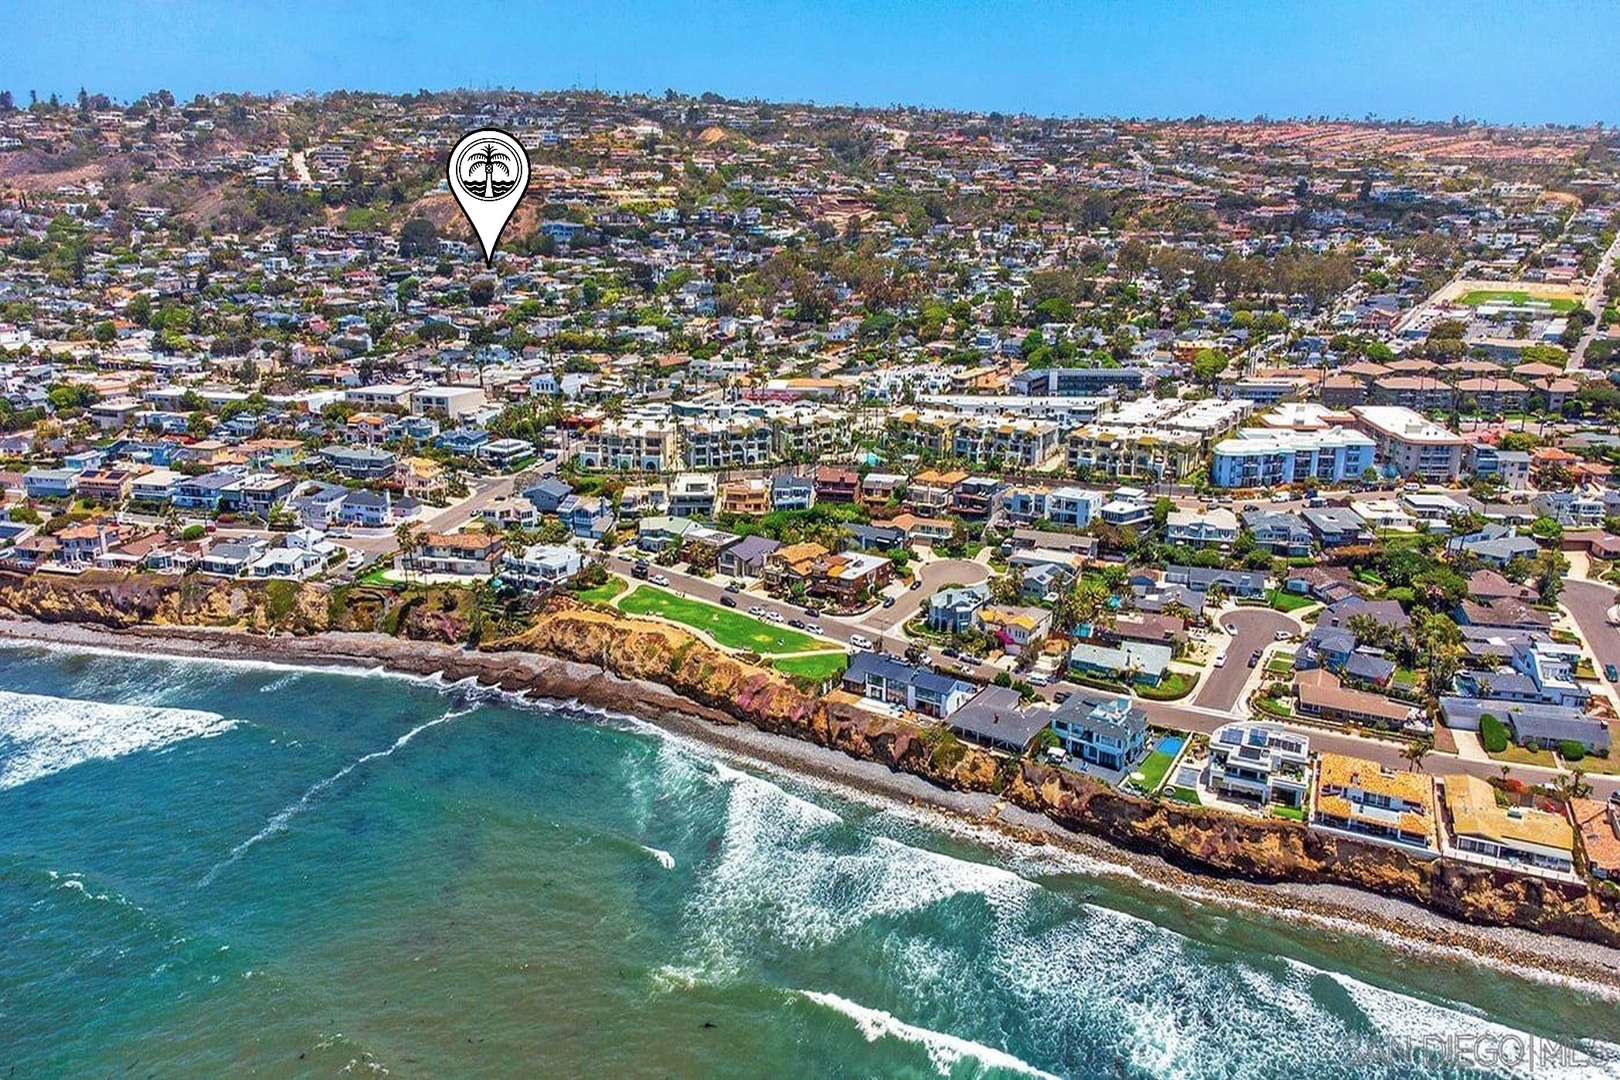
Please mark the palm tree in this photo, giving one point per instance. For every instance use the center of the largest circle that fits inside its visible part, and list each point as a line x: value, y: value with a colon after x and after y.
x: 409, y: 539
x: 490, y: 157
x: 1418, y: 749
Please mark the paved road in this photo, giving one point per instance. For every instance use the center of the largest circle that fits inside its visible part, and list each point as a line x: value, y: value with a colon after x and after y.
x: 1594, y: 304
x: 1589, y: 603
x: 1256, y: 629
x: 935, y: 576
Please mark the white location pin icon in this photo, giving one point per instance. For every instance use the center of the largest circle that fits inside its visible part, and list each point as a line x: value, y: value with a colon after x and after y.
x: 488, y: 172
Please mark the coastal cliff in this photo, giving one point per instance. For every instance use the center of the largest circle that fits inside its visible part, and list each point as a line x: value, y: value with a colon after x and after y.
x: 720, y: 687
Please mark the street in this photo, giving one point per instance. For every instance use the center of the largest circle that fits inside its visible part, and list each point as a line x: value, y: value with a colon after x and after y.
x: 1256, y: 629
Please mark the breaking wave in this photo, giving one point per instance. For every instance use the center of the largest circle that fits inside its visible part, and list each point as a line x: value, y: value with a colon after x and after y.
x: 42, y: 735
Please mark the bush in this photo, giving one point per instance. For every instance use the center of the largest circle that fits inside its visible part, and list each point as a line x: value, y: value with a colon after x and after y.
x: 1570, y: 750
x: 193, y: 532
x: 1492, y: 734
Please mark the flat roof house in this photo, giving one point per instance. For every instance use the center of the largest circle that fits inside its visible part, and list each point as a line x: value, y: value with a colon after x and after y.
x: 1105, y: 731
x: 883, y: 678
x: 1515, y: 835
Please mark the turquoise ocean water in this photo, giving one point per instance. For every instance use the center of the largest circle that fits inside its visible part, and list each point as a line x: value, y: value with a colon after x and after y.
x: 212, y: 870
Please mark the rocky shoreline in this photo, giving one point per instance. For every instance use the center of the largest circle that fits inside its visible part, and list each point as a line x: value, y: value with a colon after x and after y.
x: 1337, y: 908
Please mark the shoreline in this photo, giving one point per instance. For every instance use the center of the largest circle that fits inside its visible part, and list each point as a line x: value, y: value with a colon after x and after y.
x: 1340, y: 909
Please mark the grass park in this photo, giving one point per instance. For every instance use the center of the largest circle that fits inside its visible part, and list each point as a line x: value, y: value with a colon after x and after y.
x: 729, y: 628
x: 1476, y: 297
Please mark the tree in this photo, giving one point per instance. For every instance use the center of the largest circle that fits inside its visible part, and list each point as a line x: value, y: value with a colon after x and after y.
x: 1418, y: 749
x: 409, y: 538
x: 1208, y: 365
x: 481, y: 292
x: 418, y: 236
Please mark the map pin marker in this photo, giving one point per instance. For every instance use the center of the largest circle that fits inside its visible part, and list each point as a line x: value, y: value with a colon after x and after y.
x: 488, y: 173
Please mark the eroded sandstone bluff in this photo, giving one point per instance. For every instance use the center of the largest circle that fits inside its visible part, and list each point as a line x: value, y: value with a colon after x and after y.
x: 1193, y: 838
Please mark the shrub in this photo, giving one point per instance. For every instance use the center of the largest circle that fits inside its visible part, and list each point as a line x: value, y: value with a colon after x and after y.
x: 1492, y: 734
x: 193, y: 532
x: 1570, y: 750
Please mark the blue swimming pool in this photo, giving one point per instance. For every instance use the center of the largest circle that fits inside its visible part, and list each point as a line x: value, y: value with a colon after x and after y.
x: 1170, y: 744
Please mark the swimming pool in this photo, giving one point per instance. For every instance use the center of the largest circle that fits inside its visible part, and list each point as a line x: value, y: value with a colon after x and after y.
x: 1170, y: 745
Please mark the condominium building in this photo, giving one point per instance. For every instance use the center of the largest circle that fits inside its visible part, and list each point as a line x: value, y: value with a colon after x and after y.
x: 645, y: 444
x: 740, y: 442
x: 1410, y: 444
x: 1258, y: 457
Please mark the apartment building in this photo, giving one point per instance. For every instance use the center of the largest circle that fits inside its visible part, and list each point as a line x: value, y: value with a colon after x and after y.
x: 1410, y: 444
x: 1257, y: 457
x: 645, y: 444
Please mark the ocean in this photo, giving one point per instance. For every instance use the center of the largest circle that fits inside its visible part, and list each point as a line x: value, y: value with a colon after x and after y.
x: 214, y: 869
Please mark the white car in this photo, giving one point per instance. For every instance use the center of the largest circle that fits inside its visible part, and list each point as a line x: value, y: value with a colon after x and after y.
x: 354, y: 560
x: 860, y: 641
x: 773, y: 616
x: 1283, y: 635
x: 1279, y: 496
x: 660, y: 579
x: 814, y: 628
x: 1220, y: 659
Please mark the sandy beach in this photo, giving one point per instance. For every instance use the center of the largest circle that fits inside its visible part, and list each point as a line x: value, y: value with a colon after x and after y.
x: 1336, y: 909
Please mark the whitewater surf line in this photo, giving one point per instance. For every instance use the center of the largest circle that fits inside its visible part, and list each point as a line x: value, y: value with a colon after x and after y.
x: 280, y: 820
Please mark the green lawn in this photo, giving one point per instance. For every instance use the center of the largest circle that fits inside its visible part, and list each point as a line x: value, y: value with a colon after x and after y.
x: 601, y: 594
x: 1185, y: 795
x: 1280, y: 665
x: 729, y: 628
x: 1515, y: 296
x: 1289, y: 812
x: 1283, y: 600
x: 1153, y: 769
x: 1174, y: 685
x: 822, y: 666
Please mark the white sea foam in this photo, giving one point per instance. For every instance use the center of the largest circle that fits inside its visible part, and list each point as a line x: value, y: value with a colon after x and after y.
x: 664, y: 858
x: 945, y: 1051
x: 282, y: 818
x: 42, y: 735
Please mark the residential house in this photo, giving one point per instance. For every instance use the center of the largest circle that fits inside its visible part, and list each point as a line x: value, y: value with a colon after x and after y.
x: 920, y: 689
x: 1322, y: 695
x: 1108, y: 732
x: 1280, y: 534
x: 1520, y: 836
x: 1337, y: 526
x: 790, y: 492
x: 1364, y: 798
x: 368, y: 509
x: 951, y: 611
x: 996, y: 717
x: 209, y: 491
x: 746, y: 558
x: 1202, y: 528
x: 1260, y: 760
x: 589, y: 517
x: 540, y: 564
x: 548, y: 494
x: 1130, y: 661
x: 50, y: 483
x: 1016, y: 629
x: 232, y: 558
x: 359, y: 463
x: 468, y: 554
x: 693, y: 495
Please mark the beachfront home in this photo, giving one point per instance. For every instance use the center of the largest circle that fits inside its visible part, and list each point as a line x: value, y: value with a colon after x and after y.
x: 540, y: 564
x: 1518, y: 836
x: 920, y: 689
x: 1365, y: 799
x: 1105, y: 731
x: 469, y: 554
x: 1261, y: 761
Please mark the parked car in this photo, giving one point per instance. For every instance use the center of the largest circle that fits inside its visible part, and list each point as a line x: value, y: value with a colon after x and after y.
x: 733, y: 588
x: 797, y: 624
x: 1282, y: 635
x: 814, y: 628
x: 728, y: 601
x: 773, y: 616
x: 888, y: 601
x: 860, y: 641
x: 1611, y: 673
x: 1039, y: 679
x: 660, y: 579
x: 1254, y: 658
x: 950, y: 651
x: 1279, y: 496
x: 639, y: 570
x: 757, y: 611
x: 1220, y: 659
x: 915, y: 584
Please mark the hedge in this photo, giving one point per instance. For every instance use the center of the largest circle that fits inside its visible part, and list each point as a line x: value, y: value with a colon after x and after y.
x: 1492, y: 735
x: 1570, y: 750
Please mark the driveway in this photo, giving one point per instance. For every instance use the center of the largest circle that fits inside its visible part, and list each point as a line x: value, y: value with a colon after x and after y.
x: 1256, y: 629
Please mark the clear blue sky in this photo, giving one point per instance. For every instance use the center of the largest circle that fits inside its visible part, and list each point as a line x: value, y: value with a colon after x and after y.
x: 1500, y: 60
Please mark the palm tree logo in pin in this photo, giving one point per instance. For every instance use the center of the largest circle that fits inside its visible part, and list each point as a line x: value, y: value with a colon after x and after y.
x: 487, y: 170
